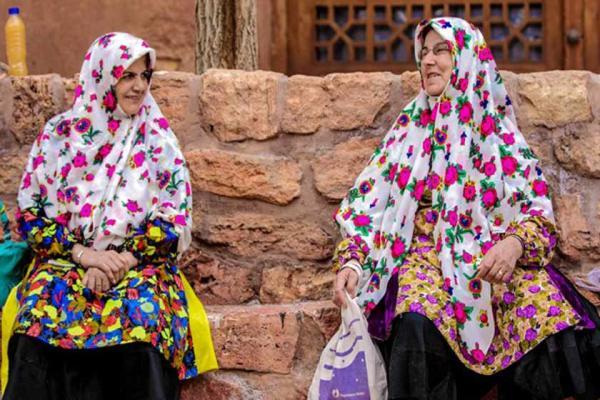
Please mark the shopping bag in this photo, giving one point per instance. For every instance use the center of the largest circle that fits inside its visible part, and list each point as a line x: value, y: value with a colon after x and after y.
x: 351, y: 366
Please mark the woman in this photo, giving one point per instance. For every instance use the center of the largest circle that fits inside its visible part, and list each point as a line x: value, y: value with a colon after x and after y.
x: 105, y: 204
x: 447, y: 233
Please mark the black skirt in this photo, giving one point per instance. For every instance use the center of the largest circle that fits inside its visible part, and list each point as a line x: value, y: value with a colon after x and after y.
x: 135, y: 371
x: 421, y: 365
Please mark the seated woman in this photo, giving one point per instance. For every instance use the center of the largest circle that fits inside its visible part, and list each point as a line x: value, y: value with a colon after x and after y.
x: 448, y: 233
x: 105, y: 203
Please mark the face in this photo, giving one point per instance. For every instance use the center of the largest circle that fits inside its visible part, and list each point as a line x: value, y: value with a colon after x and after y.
x: 131, y: 88
x: 436, y: 63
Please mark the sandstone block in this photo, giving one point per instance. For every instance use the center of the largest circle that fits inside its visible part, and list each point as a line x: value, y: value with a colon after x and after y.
x: 239, y: 105
x: 554, y: 98
x: 218, y: 281
x: 306, y: 103
x: 578, y: 239
x: 356, y: 98
x: 13, y: 165
x: 173, y: 94
x: 336, y: 170
x: 36, y: 99
x: 290, y: 283
x: 578, y: 150
x: 250, y: 234
x: 272, y: 179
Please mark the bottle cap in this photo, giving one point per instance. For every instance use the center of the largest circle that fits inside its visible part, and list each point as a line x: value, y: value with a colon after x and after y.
x: 13, y: 11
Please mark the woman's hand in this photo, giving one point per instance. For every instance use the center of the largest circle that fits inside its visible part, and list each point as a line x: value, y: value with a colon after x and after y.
x: 96, y: 280
x: 345, y: 280
x: 499, y: 262
x: 113, y: 264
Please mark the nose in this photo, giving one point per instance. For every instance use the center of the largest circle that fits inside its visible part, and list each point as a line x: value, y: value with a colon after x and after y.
x: 429, y: 59
x: 140, y: 84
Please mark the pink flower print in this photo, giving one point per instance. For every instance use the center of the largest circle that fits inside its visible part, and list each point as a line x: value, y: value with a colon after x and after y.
x: 433, y: 181
x: 64, y: 171
x: 64, y: 128
x: 163, y: 123
x: 109, y: 101
x: 77, y: 92
x: 63, y: 219
x: 463, y: 83
x: 361, y: 220
x: 178, y: 161
x: 164, y: 179
x: 110, y: 222
x: 86, y: 210
x: 489, y: 168
x: 459, y: 36
x: 466, y: 112
x: 540, y: 188
x: 43, y: 191
x: 188, y: 188
x: 509, y: 165
x: 445, y: 107
x: 103, y: 152
x: 419, y: 189
x: 133, y: 207
x: 180, y: 220
x: 427, y: 146
x: 403, y: 177
x: 451, y: 175
x: 113, y: 125
x: 398, y: 247
x: 37, y: 161
x: 508, y: 138
x: 489, y: 197
x: 488, y: 125
x: 138, y: 159
x: 117, y: 71
x: 477, y: 355
x: 486, y: 246
x: 110, y: 170
x: 467, y: 257
x: 452, y: 217
x: 83, y: 125
x: 425, y: 118
x: 459, y: 312
x: 553, y: 311
x: 80, y: 160
x: 26, y: 181
x: 485, y: 54
x: 89, y: 177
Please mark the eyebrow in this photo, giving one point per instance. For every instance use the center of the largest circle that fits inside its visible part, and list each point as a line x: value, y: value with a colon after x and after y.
x: 435, y: 44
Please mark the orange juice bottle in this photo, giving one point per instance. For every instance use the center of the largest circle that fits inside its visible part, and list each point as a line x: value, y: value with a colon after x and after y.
x: 15, y: 43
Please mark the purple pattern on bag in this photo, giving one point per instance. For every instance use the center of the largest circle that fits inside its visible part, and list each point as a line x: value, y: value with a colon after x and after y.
x: 350, y: 382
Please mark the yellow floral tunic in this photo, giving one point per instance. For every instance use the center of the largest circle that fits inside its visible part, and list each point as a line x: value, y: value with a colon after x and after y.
x: 526, y: 310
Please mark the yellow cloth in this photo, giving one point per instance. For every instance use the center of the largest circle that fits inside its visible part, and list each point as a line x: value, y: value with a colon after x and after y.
x: 201, y: 338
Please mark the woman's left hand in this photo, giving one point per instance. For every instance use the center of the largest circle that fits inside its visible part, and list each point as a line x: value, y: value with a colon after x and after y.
x: 499, y: 262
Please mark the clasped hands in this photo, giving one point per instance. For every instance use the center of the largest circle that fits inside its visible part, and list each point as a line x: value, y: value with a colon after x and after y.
x: 104, y: 268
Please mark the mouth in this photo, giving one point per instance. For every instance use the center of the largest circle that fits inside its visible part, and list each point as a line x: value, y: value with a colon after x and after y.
x: 432, y: 75
x: 134, y: 98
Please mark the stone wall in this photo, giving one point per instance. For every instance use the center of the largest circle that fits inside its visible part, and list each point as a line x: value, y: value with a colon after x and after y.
x: 270, y: 157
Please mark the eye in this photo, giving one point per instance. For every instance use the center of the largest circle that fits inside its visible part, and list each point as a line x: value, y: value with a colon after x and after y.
x: 127, y: 76
x: 147, y: 75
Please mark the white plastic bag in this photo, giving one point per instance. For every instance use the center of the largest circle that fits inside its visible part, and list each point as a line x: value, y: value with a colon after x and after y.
x: 351, y: 366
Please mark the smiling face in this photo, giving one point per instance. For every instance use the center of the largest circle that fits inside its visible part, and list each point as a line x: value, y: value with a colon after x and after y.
x: 436, y: 63
x: 131, y: 88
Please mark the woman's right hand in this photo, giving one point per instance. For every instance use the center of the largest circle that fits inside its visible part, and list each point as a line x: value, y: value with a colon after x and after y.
x: 346, y: 280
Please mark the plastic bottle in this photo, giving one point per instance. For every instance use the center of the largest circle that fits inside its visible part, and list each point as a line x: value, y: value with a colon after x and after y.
x: 15, y: 43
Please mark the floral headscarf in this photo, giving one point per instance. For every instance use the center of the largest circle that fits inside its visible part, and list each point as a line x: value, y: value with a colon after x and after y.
x: 100, y: 171
x: 483, y: 176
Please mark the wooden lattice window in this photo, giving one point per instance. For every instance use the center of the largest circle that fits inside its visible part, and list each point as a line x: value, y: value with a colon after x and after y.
x: 345, y: 35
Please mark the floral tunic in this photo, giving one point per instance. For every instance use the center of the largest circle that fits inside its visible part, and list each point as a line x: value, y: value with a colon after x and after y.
x: 526, y: 310
x: 147, y: 305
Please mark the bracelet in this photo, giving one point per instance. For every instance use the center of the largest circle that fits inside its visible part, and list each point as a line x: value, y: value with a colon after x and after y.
x: 78, y: 256
x: 520, y: 239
